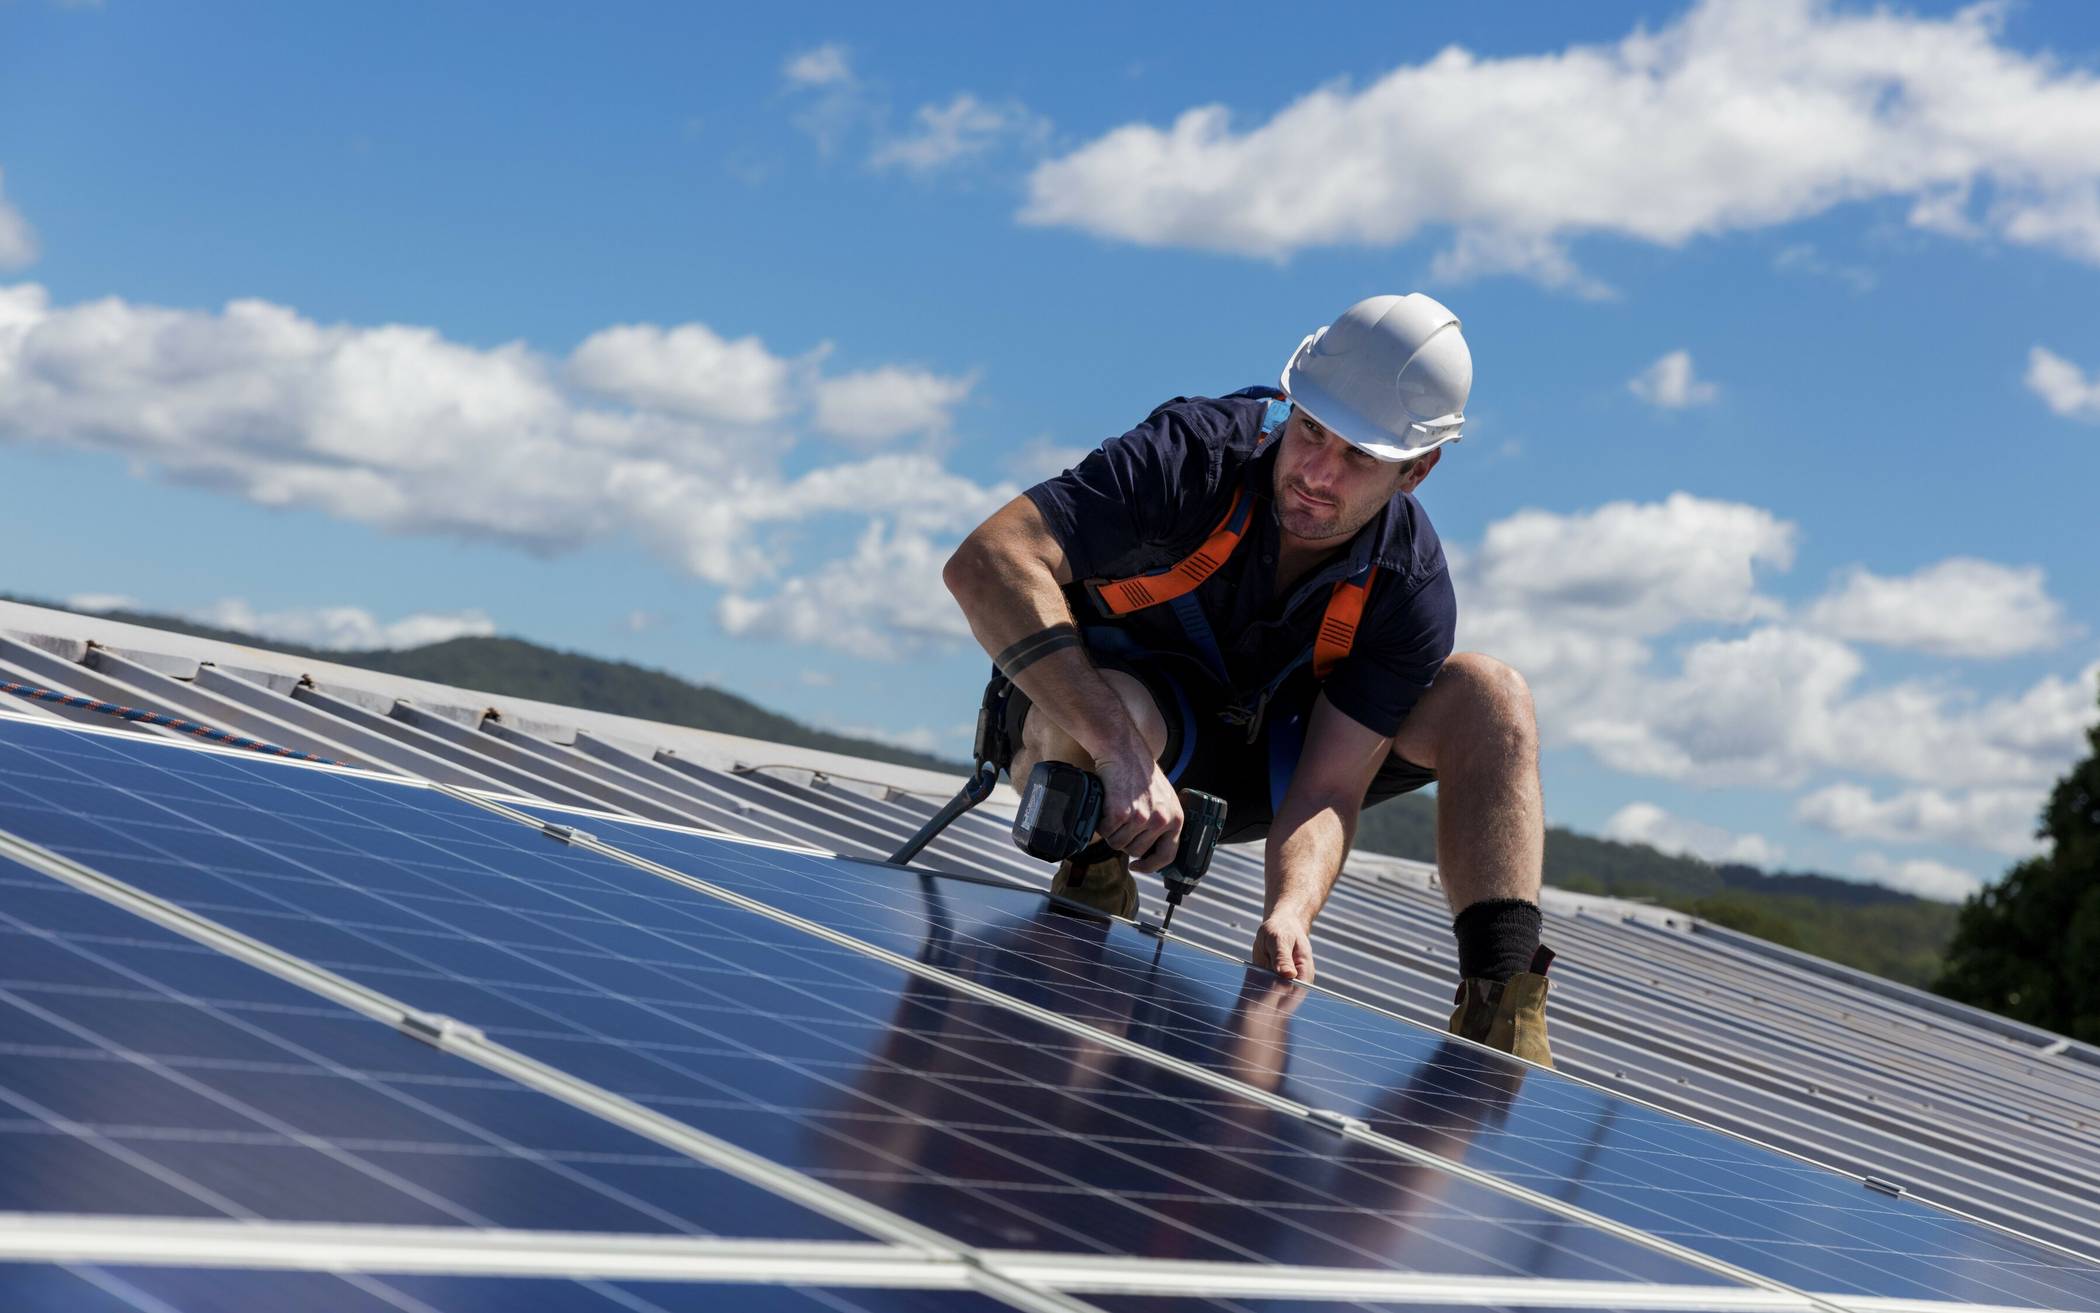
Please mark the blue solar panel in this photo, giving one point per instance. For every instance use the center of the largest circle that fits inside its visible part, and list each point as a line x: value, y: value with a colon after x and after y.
x: 112, y: 1289
x: 142, y: 1073
x: 1709, y: 1191
x: 958, y: 1113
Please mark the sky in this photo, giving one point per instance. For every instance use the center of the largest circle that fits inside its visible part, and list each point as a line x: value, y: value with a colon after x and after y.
x: 698, y: 337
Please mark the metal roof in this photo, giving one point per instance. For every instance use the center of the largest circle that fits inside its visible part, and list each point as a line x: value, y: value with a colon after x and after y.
x: 1977, y: 1114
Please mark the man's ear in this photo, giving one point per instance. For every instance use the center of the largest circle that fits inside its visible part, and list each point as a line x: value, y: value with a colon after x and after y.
x: 1418, y: 469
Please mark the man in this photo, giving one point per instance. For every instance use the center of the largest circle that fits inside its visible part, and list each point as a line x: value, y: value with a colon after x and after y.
x: 1242, y: 595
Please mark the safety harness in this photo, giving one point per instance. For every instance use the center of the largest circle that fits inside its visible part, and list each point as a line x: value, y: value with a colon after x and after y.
x: 1174, y: 586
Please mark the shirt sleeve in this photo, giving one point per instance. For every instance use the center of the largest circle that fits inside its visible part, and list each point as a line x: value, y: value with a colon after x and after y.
x: 1390, y: 667
x: 1150, y: 488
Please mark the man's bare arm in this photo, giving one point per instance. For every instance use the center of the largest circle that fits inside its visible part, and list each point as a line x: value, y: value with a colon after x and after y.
x: 1008, y: 577
x: 1311, y: 835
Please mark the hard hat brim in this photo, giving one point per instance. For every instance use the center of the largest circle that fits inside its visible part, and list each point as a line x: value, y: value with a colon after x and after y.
x: 1339, y: 418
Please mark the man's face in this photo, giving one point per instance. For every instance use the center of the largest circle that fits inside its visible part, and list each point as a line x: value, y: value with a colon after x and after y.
x: 1326, y: 489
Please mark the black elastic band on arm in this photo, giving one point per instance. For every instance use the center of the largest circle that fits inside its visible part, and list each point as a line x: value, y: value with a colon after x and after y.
x: 1027, y: 651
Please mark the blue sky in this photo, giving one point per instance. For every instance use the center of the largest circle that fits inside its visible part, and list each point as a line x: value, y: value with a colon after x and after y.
x: 699, y: 338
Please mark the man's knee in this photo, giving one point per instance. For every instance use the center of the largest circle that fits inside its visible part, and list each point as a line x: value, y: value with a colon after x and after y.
x: 1477, y: 706
x: 1493, y: 700
x: 1043, y: 739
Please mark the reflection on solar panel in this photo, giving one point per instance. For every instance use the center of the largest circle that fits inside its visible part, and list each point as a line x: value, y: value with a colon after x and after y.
x: 869, y: 1062
x: 153, y: 1289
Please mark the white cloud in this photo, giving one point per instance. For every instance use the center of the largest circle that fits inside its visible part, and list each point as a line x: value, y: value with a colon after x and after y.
x: 2063, y: 387
x: 101, y: 602
x: 965, y: 126
x: 1804, y: 258
x: 686, y: 370
x: 345, y: 628
x: 1960, y: 607
x: 397, y: 428
x: 1644, y: 822
x: 832, y: 102
x: 18, y: 248
x: 1771, y: 707
x: 1997, y: 820
x: 884, y: 602
x: 1669, y: 384
x: 1577, y: 602
x: 818, y: 678
x: 1628, y: 568
x: 1926, y: 879
x: 641, y: 622
x: 1741, y: 114
x: 875, y: 406
x: 823, y: 66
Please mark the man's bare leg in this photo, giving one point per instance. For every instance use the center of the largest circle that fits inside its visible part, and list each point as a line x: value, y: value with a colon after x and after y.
x: 1475, y: 728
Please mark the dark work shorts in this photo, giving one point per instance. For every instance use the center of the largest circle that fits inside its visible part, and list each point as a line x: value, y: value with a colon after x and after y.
x: 1204, y: 752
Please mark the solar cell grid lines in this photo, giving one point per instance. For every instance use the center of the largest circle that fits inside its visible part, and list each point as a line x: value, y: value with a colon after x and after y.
x: 1714, y: 1193
x: 949, y: 1110
x: 143, y: 1073
x: 1158, y: 1118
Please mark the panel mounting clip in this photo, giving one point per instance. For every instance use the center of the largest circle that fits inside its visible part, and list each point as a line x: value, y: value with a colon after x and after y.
x: 435, y: 1028
x: 1340, y: 1123
x: 1890, y: 1188
x: 565, y: 833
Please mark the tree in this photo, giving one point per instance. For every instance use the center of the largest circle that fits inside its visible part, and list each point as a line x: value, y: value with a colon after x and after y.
x: 2029, y: 946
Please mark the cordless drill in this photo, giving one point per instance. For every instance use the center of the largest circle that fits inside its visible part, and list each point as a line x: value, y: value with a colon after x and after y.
x: 1061, y: 810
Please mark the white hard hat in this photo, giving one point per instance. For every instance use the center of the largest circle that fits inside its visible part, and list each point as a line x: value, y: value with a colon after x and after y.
x: 1390, y: 376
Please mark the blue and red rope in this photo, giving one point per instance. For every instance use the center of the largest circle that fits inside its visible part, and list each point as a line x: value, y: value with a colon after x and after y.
x: 34, y: 694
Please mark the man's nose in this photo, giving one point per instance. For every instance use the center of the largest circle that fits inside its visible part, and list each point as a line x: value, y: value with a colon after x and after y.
x: 1323, y: 469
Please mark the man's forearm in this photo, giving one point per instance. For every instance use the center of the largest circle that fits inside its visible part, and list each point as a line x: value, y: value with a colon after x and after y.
x: 1308, y: 841
x: 1013, y: 605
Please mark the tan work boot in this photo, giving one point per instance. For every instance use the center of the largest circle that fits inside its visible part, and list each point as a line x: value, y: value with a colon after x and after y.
x: 1509, y: 1015
x: 1098, y: 876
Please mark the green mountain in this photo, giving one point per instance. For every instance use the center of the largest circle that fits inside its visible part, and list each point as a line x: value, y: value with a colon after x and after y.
x: 1880, y: 930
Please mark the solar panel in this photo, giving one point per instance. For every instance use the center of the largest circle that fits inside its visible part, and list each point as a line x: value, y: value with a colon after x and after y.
x: 1715, y: 1193
x: 109, y: 1289
x: 952, y: 1111
x: 143, y: 1073
x: 933, y: 1093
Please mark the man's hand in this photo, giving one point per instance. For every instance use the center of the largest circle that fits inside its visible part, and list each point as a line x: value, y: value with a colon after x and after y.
x: 1284, y: 945
x: 1140, y: 812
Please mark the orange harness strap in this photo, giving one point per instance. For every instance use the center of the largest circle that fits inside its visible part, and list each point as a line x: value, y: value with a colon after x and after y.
x: 1345, y: 603
x: 1122, y: 596
x: 1345, y: 609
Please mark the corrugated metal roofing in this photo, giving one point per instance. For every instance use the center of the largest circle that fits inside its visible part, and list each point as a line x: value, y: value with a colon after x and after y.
x: 1969, y: 1111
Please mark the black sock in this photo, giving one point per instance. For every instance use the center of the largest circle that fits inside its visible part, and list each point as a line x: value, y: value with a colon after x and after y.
x: 1496, y: 938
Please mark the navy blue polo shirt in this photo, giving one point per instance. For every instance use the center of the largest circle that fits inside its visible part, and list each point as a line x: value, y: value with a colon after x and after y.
x: 1145, y: 500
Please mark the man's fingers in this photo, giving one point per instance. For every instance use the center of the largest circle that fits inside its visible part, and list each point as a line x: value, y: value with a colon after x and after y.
x: 1161, y: 850
x: 1124, y: 834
